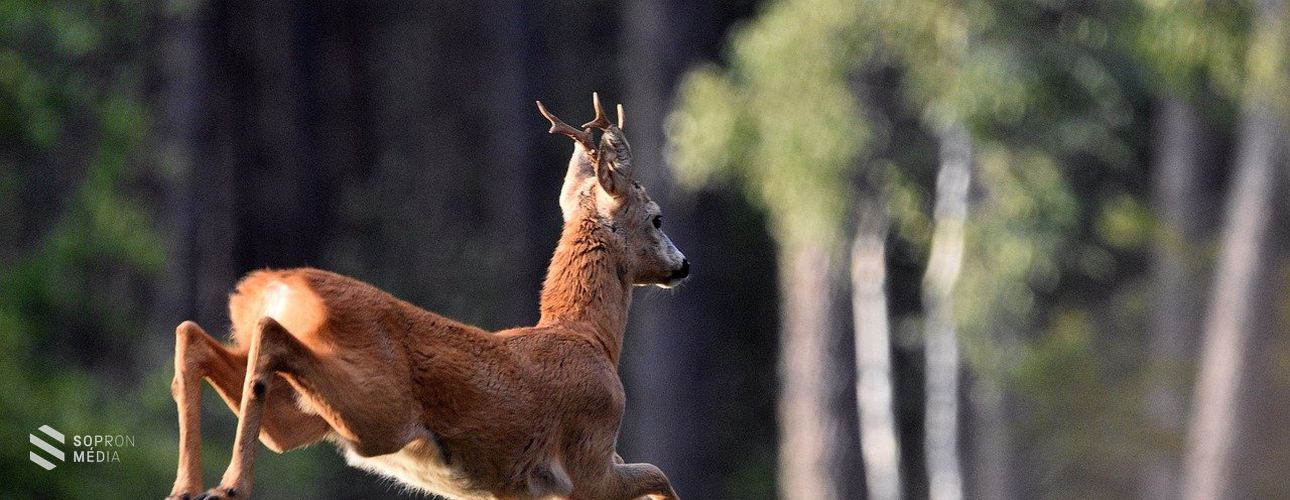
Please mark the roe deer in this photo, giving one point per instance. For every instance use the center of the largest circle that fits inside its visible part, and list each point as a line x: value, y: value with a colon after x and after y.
x: 442, y: 406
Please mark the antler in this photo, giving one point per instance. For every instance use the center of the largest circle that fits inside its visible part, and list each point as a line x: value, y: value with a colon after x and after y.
x: 601, y: 121
x: 613, y: 143
x: 560, y: 127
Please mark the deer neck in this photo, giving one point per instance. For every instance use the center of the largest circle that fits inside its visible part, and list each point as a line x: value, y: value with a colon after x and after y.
x: 586, y: 287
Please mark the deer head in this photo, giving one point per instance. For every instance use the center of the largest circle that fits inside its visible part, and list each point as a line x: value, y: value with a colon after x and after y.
x: 599, y: 185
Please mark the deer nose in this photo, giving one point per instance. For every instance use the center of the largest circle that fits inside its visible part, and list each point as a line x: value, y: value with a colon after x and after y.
x: 683, y: 271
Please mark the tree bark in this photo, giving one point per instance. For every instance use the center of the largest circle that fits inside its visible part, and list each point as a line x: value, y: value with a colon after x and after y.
x: 1177, y: 314
x: 812, y: 429
x: 879, y: 442
x: 945, y: 480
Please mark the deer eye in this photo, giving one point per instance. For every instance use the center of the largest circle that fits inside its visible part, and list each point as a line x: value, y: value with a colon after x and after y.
x: 658, y: 221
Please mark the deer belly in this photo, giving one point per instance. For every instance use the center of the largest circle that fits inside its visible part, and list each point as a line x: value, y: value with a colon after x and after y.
x: 418, y: 465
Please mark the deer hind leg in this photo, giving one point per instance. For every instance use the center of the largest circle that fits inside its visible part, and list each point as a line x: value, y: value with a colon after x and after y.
x: 269, y: 344
x: 371, y: 415
x: 199, y: 356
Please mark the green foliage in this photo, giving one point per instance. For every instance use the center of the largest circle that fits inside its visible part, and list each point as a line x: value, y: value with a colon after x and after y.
x: 955, y: 67
x: 1077, y: 423
x: 1054, y: 95
x: 1189, y: 44
x: 783, y: 120
x: 74, y: 277
x: 79, y: 258
x: 1126, y: 223
x: 1012, y: 255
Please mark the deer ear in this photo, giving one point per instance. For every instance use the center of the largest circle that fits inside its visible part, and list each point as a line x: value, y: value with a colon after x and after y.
x: 614, y: 168
x: 580, y: 170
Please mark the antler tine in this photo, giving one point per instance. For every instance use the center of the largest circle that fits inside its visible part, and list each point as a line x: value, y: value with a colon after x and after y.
x: 621, y: 117
x: 601, y: 122
x: 560, y: 127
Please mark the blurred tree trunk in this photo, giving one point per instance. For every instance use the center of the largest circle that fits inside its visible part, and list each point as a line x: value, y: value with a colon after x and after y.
x: 664, y: 361
x: 1261, y: 452
x: 179, y: 101
x: 210, y: 197
x: 1207, y: 464
x: 672, y: 420
x: 509, y: 93
x: 990, y: 469
x: 261, y: 186
x: 942, y: 418
x: 879, y: 443
x: 387, y: 141
x: 439, y: 210
x: 1177, y: 283
x: 812, y: 441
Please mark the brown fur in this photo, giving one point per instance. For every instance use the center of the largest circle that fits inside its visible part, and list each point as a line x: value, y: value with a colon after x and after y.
x: 443, y: 406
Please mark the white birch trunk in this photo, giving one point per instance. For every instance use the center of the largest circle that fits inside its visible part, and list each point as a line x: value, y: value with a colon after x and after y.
x: 945, y: 480
x: 1212, y: 431
x: 879, y: 441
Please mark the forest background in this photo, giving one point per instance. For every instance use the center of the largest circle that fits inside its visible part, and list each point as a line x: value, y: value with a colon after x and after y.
x: 996, y: 249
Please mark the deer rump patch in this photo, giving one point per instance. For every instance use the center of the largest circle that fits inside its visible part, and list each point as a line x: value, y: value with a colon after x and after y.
x: 282, y: 295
